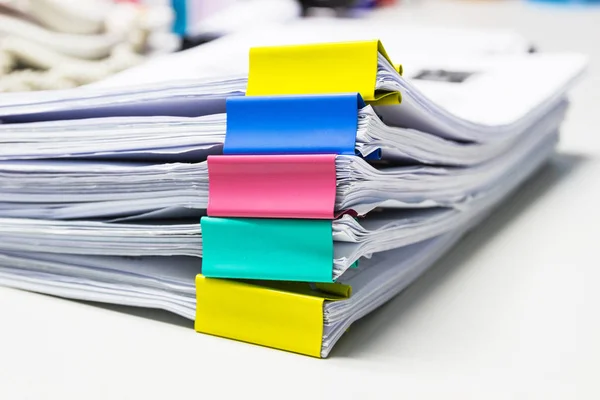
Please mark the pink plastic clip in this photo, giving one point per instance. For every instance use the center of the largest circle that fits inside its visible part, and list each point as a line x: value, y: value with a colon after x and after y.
x: 272, y: 186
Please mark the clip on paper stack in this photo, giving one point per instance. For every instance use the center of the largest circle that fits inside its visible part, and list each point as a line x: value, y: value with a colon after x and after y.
x: 272, y: 194
x: 277, y: 260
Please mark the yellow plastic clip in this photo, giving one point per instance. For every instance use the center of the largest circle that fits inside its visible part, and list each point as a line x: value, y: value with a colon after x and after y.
x: 347, y: 67
x: 283, y: 315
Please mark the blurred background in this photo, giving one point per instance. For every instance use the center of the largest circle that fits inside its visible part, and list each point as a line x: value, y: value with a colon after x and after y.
x: 57, y: 44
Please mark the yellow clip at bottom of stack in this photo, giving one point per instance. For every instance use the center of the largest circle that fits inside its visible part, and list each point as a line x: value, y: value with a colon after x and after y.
x: 283, y: 315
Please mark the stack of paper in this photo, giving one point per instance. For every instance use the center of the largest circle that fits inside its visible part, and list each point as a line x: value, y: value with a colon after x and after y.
x: 326, y: 182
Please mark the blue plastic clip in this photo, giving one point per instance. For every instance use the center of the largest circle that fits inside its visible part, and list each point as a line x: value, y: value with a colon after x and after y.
x: 305, y: 124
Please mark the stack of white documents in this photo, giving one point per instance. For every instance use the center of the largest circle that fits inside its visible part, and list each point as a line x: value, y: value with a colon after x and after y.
x: 102, y: 188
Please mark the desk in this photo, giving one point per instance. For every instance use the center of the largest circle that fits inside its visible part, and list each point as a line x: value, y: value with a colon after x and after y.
x: 512, y: 312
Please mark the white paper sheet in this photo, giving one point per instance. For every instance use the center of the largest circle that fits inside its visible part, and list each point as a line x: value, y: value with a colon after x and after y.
x: 66, y: 189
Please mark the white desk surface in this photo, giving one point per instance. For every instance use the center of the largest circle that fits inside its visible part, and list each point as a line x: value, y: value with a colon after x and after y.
x: 512, y: 313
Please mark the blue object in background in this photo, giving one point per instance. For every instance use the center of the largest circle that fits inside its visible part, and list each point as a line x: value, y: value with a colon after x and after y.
x: 180, y: 9
x: 365, y: 4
